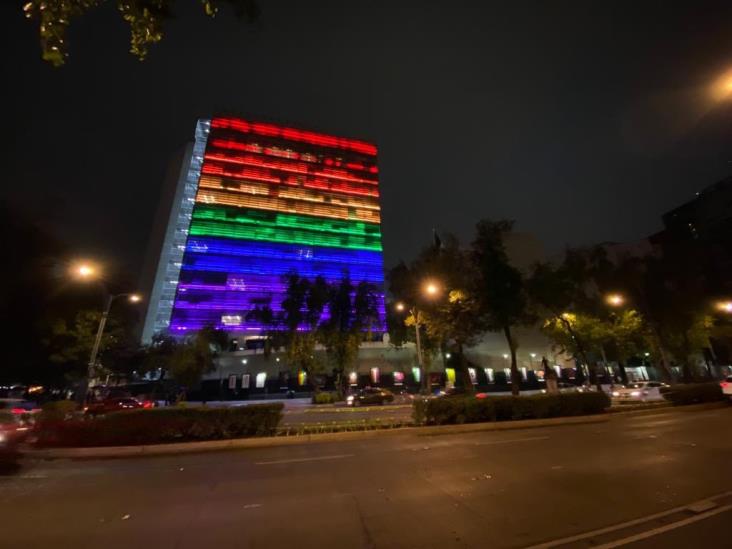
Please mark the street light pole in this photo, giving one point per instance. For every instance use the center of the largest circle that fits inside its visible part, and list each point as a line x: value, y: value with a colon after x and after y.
x: 418, y: 341
x: 90, y: 373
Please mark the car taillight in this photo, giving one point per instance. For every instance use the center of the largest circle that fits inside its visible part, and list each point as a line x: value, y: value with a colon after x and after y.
x: 723, y: 384
x: 148, y: 404
x: 18, y: 411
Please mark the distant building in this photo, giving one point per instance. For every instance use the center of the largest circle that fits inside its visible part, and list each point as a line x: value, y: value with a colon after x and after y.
x: 253, y: 202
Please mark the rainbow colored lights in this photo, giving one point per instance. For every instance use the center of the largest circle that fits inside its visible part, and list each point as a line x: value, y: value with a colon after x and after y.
x: 271, y: 200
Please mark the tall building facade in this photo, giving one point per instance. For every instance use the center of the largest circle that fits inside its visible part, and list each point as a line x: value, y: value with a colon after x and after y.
x: 257, y: 201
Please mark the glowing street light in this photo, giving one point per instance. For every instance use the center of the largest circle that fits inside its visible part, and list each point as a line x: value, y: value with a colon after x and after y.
x: 725, y: 306
x: 84, y: 271
x: 615, y: 300
x: 431, y: 289
x: 399, y: 307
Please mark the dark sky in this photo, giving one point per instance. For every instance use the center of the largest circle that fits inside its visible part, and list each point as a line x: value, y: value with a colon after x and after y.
x: 583, y: 121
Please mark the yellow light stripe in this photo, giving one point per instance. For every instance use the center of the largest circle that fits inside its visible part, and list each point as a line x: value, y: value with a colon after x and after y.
x: 207, y: 196
x: 286, y: 191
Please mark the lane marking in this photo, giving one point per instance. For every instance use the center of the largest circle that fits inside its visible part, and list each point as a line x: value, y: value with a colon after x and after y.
x: 525, y: 439
x: 663, y: 529
x: 626, y: 524
x: 300, y: 460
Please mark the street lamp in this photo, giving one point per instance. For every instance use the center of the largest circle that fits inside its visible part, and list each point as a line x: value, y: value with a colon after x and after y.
x: 87, y: 271
x: 615, y: 300
x: 431, y: 289
x: 134, y: 298
x: 725, y: 306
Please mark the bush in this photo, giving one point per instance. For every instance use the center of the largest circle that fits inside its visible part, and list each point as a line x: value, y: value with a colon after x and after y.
x: 159, y: 425
x: 325, y: 397
x: 58, y: 410
x: 441, y: 411
x: 693, y: 393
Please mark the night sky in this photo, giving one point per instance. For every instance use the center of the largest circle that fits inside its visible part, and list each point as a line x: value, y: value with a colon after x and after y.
x: 583, y: 121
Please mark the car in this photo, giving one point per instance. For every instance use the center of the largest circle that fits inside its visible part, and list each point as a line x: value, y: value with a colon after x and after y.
x: 12, y: 432
x: 115, y: 404
x: 640, y: 391
x: 370, y: 395
x: 727, y: 387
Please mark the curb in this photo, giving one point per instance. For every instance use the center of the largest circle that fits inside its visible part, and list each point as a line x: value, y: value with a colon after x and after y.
x: 111, y: 452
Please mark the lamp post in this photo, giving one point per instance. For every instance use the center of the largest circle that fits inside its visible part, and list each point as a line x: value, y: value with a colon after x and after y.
x: 431, y: 289
x: 417, y: 338
x: 134, y: 298
x: 87, y: 271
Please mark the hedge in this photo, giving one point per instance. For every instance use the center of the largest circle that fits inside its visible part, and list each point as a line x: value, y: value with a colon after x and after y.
x: 326, y: 397
x: 693, y: 393
x: 440, y: 411
x: 160, y: 425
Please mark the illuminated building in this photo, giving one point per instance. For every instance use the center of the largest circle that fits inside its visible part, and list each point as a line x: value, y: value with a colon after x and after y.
x: 256, y: 201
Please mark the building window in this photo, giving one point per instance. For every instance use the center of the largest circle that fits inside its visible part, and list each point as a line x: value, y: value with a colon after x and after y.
x: 232, y: 381
x: 489, y: 374
x: 398, y: 378
x: 245, y: 381
x: 261, y: 378
x: 524, y: 374
x: 417, y: 374
x: 374, y: 375
x: 507, y: 373
x: 302, y: 377
x: 353, y: 378
x: 473, y: 376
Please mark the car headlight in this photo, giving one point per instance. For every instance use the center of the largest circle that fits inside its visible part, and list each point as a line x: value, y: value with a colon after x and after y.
x: 2, y: 437
x: 349, y: 398
x: 635, y: 393
x: 616, y: 393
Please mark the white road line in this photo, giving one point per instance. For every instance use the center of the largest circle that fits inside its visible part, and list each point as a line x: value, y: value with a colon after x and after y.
x: 525, y: 439
x: 620, y: 526
x: 300, y: 460
x: 662, y: 529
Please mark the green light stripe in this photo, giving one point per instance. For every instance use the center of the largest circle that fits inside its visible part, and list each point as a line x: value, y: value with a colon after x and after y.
x: 276, y: 220
x: 284, y: 235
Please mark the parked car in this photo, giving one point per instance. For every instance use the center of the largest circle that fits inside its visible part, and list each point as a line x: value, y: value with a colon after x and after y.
x: 115, y: 404
x: 727, y: 387
x: 370, y: 395
x: 12, y: 432
x: 640, y: 391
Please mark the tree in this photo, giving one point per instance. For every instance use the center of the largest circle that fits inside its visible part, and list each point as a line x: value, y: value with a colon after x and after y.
x: 146, y: 19
x: 501, y: 296
x: 351, y: 321
x: 450, y: 318
x: 196, y: 356
x: 271, y: 329
x: 302, y: 311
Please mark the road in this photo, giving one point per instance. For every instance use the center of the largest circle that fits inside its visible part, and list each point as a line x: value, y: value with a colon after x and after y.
x: 516, y: 488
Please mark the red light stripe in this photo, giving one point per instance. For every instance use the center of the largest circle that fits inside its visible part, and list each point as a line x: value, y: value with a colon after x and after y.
x: 270, y: 130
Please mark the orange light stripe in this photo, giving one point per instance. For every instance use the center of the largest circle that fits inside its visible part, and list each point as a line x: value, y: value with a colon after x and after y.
x: 286, y: 206
x: 287, y: 166
x: 295, y: 181
x: 285, y: 191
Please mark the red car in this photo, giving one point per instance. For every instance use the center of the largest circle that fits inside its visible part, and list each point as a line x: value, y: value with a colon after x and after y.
x: 12, y: 432
x: 116, y: 404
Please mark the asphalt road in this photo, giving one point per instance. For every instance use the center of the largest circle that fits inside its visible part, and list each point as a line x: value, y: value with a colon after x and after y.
x: 624, y: 482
